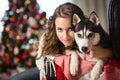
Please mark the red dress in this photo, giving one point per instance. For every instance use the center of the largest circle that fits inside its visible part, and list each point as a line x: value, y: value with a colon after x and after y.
x: 111, y: 69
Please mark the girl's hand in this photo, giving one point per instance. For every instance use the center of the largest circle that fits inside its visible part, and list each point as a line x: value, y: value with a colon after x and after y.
x: 100, y: 52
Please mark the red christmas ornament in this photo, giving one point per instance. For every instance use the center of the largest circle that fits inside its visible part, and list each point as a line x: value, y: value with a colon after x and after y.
x: 22, y: 37
x: 24, y: 22
x: 31, y: 10
x: 8, y: 62
x: 12, y: 19
x: 24, y: 56
x: 38, y: 16
x: 17, y: 60
x: 36, y: 26
x: 29, y: 64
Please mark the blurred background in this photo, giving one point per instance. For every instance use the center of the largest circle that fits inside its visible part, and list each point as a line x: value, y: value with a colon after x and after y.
x: 20, y: 23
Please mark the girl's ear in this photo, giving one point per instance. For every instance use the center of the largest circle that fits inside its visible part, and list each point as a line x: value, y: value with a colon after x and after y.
x: 76, y: 19
x: 94, y: 18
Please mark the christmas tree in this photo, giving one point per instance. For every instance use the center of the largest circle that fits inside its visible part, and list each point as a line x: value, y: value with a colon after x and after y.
x: 22, y: 24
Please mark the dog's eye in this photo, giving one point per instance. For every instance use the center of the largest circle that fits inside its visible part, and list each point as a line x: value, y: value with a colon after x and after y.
x: 91, y: 35
x: 79, y: 35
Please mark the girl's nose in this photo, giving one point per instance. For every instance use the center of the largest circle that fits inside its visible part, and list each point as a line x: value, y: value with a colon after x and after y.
x: 66, y: 34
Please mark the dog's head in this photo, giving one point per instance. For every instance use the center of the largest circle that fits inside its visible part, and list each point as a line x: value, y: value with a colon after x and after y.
x: 88, y: 32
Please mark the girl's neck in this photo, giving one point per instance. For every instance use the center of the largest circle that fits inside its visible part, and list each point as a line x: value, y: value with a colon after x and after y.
x: 68, y: 52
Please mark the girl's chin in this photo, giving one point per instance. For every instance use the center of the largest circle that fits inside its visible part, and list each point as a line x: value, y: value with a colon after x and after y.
x: 67, y: 45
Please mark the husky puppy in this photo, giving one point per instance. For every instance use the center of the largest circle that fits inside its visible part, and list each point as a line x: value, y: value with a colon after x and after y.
x: 88, y: 33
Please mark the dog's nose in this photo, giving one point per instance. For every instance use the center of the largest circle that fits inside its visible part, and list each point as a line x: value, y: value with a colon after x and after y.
x: 84, y: 49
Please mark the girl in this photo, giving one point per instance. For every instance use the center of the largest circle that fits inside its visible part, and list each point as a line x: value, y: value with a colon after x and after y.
x: 59, y: 39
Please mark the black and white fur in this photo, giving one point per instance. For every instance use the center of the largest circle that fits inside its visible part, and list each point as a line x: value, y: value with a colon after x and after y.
x: 88, y: 33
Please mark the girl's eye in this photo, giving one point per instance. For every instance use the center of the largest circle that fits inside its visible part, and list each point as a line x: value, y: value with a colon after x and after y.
x: 72, y: 28
x: 59, y: 29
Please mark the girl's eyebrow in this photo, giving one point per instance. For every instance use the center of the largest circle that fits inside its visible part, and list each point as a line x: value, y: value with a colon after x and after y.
x: 58, y: 26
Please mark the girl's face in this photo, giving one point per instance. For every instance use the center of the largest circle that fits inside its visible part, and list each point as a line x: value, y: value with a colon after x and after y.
x: 64, y: 30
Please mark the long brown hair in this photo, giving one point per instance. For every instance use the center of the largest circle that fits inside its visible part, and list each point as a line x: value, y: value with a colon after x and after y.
x: 51, y: 44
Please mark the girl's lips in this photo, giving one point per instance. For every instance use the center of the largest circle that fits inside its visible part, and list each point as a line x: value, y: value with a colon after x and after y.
x: 66, y: 41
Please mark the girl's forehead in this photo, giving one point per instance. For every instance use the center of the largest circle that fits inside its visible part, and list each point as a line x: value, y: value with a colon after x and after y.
x: 62, y: 19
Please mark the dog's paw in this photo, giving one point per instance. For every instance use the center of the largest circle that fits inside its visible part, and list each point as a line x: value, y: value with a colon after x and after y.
x: 73, y: 69
x: 96, y: 76
x: 74, y: 64
x: 97, y: 70
x: 93, y: 78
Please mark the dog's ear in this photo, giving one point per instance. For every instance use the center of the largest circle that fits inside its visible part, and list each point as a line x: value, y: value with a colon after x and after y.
x: 94, y: 18
x: 76, y: 19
